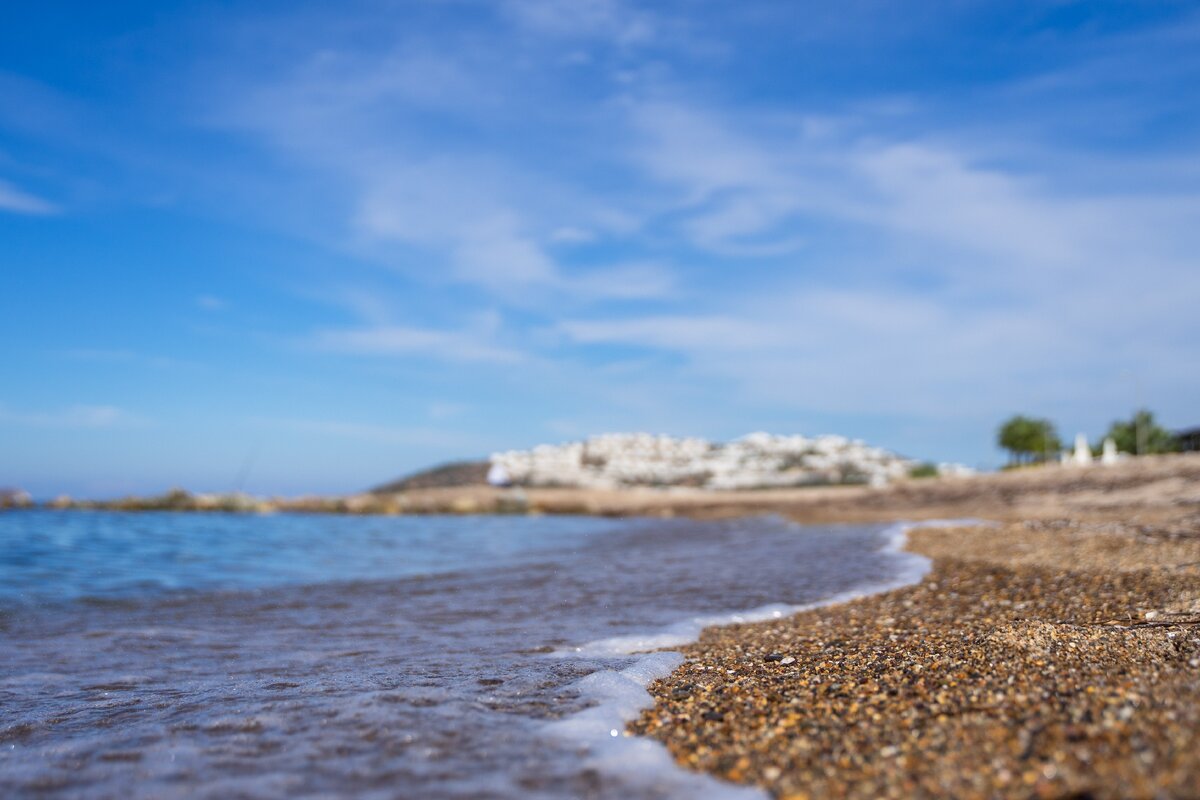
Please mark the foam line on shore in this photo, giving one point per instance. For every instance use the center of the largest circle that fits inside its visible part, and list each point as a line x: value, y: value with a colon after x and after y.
x: 635, y: 762
x: 620, y: 696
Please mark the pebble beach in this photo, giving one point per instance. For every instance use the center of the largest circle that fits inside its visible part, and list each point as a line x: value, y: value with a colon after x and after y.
x: 1054, y: 653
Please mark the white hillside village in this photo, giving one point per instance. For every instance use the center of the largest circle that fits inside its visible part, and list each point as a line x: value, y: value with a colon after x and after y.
x: 759, y: 460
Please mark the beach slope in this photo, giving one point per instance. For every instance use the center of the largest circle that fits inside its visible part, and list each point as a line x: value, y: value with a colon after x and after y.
x: 1056, y: 654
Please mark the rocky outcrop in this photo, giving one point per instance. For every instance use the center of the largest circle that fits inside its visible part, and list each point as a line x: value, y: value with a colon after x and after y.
x: 15, y: 498
x: 458, y: 473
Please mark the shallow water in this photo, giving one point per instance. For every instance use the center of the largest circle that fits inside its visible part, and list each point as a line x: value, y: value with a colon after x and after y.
x: 172, y: 655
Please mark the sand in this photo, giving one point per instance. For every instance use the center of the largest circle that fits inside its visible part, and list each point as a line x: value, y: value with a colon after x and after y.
x: 1056, y: 654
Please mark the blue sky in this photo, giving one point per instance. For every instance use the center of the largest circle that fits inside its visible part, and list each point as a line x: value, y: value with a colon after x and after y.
x: 311, y: 246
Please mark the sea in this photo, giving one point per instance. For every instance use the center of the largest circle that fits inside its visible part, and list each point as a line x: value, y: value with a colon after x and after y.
x: 173, y: 655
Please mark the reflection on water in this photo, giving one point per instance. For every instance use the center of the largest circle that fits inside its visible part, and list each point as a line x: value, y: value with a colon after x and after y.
x: 352, y: 657
x: 67, y: 555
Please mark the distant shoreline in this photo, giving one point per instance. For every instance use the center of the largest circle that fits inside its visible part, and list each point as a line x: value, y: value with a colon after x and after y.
x: 1004, y: 496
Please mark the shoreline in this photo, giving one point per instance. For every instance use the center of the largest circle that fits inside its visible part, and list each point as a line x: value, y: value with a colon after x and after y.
x: 1032, y: 492
x: 1055, y: 655
x: 686, y: 632
x: 622, y: 696
x: 651, y: 764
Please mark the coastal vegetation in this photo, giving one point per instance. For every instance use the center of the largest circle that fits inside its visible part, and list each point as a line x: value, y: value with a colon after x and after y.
x: 1028, y: 440
x: 925, y: 470
x: 1142, y: 435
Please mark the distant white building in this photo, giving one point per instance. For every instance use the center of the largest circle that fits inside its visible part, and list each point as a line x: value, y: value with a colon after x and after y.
x: 759, y: 460
x: 498, y: 476
x: 1083, y: 452
x: 1109, y: 455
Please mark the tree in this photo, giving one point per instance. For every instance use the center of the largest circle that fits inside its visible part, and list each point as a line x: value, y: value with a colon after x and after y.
x: 1141, y: 435
x: 925, y: 470
x: 1028, y: 439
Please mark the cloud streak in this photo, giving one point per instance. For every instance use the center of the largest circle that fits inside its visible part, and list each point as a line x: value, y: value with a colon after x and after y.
x: 16, y: 201
x: 403, y: 341
x: 711, y: 214
x: 77, y: 416
x: 373, y: 433
x: 880, y: 250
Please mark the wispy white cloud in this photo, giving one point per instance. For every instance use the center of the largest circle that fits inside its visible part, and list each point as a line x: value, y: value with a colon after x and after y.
x: 625, y: 281
x: 894, y: 252
x: 77, y: 416
x: 571, y: 235
x: 398, y: 340
x: 751, y: 185
x: 611, y: 20
x: 690, y: 334
x: 373, y: 433
x: 450, y: 410
x: 17, y: 201
x: 874, y: 240
x: 500, y: 219
x: 495, y: 254
x: 674, y: 216
x: 979, y: 223
x: 119, y: 356
x: 860, y: 350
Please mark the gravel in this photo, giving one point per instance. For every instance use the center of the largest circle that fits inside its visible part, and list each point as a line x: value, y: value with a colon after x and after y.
x: 1045, y: 658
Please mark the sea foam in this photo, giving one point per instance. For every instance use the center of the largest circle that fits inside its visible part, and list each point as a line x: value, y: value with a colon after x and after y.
x: 619, y: 696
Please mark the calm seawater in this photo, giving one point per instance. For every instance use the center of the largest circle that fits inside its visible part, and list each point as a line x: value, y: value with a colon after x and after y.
x: 190, y: 655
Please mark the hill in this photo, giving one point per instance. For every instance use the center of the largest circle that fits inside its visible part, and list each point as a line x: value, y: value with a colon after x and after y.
x: 454, y: 474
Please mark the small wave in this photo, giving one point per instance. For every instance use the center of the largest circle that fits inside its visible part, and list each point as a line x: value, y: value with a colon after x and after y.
x: 619, y: 696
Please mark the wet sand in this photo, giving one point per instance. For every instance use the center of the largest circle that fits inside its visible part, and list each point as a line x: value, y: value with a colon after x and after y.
x: 1056, y: 654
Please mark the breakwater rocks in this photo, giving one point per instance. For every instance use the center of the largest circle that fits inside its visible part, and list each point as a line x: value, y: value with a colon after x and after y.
x: 757, y: 461
x: 15, y: 498
x: 181, y: 500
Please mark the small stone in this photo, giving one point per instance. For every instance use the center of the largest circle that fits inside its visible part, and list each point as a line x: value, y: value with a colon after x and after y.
x: 887, y: 696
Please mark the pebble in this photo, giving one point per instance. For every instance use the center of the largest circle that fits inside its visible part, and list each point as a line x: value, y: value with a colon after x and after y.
x: 1028, y: 672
